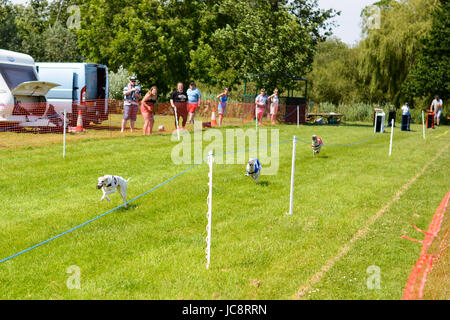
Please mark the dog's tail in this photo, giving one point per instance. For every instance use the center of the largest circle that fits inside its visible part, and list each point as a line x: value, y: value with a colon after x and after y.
x: 128, y: 179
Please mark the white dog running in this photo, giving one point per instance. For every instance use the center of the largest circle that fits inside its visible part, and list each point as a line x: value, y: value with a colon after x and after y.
x: 109, y: 183
x: 253, y: 169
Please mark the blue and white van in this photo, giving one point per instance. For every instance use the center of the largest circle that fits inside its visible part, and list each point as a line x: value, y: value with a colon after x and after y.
x: 22, y: 94
x: 83, y: 86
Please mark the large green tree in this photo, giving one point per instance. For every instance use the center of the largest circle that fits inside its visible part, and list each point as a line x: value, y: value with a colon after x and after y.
x: 271, y: 40
x: 391, y: 45
x: 430, y: 75
x: 335, y: 76
x: 150, y: 38
x: 214, y: 41
x: 9, y: 33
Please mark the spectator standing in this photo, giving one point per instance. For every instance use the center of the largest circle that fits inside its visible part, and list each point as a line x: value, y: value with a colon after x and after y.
x: 194, y: 97
x: 178, y: 101
x: 223, y: 98
x: 274, y: 102
x: 147, y: 110
x: 436, y: 106
x: 406, y: 112
x: 132, y: 94
x: 261, y: 101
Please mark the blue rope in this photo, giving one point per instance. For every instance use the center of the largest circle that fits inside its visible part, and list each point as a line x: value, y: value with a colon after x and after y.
x: 118, y: 207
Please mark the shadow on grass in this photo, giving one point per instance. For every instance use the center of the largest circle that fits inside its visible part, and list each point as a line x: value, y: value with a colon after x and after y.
x: 263, y: 183
x: 130, y: 206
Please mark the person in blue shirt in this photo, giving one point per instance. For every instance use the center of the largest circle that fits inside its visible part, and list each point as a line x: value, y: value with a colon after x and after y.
x: 194, y: 97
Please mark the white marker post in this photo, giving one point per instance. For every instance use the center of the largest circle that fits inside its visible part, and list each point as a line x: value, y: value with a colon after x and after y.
x: 298, y: 116
x: 392, y: 137
x: 291, y: 201
x: 209, y: 213
x: 176, y: 121
x: 256, y: 119
x: 423, y: 124
x: 64, y: 136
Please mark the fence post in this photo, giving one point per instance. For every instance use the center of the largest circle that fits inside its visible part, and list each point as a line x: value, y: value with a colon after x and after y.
x: 392, y: 136
x: 176, y: 121
x: 64, y: 135
x: 209, y: 213
x: 423, y: 124
x: 291, y: 199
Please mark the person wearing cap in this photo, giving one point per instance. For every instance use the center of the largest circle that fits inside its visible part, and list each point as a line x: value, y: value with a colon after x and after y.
x: 132, y: 94
x: 178, y: 101
x: 436, y: 107
x: 194, y: 96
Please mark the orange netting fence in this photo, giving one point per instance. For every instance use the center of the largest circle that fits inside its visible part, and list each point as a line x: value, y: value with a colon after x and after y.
x: 430, y: 277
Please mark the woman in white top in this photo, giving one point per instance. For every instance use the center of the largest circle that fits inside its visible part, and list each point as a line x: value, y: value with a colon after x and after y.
x: 274, y: 102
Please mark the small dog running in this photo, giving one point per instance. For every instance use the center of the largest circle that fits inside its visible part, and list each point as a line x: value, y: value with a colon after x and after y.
x: 316, y: 144
x: 109, y: 183
x: 253, y: 169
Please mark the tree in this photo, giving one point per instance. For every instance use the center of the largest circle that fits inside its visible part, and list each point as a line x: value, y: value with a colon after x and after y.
x: 9, y: 35
x: 31, y: 21
x: 60, y: 45
x: 389, y: 50
x: 430, y: 76
x: 150, y: 38
x: 334, y: 77
x: 269, y: 39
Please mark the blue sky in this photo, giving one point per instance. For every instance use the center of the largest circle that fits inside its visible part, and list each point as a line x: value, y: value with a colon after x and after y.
x: 349, y: 23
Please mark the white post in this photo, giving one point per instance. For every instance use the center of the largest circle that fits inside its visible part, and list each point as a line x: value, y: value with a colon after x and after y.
x: 423, y: 124
x: 256, y: 119
x: 176, y: 121
x: 298, y: 116
x: 64, y: 135
x: 209, y: 213
x: 392, y: 136
x: 291, y: 201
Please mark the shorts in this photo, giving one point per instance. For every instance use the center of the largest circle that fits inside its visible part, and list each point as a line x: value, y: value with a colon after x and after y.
x: 259, y: 111
x: 130, y: 112
x: 192, y: 106
x: 438, y: 113
x: 221, y: 109
x: 273, y: 109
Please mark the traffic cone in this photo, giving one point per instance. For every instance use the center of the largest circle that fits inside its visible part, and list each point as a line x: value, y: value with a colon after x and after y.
x: 213, y: 117
x: 79, y: 127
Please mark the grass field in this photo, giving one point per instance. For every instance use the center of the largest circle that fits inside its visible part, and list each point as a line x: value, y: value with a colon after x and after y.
x: 155, y: 249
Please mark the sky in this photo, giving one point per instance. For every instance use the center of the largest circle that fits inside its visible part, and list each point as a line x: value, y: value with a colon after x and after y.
x: 349, y: 22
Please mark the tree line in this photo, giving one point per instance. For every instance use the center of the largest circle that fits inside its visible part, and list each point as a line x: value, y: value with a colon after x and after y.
x: 403, y: 55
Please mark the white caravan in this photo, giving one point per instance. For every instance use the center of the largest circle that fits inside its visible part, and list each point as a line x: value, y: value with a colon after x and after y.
x: 84, y: 86
x: 22, y: 95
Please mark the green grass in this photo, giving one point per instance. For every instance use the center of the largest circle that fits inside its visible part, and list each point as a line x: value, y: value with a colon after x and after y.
x: 155, y: 249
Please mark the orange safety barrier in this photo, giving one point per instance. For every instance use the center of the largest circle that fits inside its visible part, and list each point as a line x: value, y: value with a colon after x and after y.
x: 416, y: 284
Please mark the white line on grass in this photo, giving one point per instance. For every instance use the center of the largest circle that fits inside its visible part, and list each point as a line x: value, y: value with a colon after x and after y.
x: 362, y: 232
